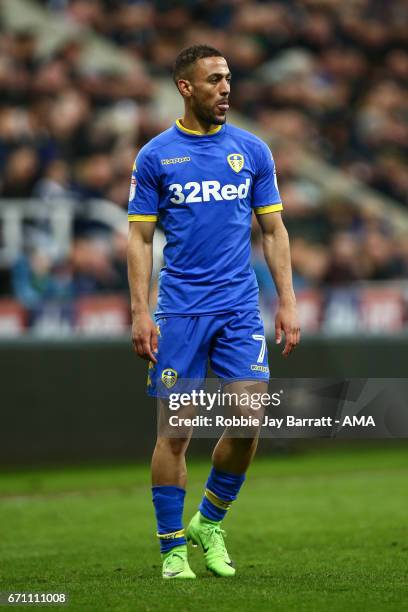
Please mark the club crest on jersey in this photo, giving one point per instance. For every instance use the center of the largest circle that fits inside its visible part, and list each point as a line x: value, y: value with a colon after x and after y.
x: 169, y: 377
x: 236, y: 161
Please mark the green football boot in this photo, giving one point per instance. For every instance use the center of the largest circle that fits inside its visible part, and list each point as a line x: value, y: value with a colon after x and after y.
x: 175, y: 564
x: 210, y: 536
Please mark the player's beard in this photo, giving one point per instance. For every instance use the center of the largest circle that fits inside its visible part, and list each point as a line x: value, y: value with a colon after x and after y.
x: 208, y: 116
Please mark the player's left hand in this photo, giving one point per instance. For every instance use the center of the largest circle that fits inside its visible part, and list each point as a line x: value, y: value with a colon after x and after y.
x: 286, y: 321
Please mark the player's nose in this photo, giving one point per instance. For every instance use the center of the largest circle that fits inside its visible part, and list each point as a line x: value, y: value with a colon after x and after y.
x: 225, y: 87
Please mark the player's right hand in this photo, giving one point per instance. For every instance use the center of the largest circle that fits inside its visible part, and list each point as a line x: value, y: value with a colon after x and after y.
x: 144, y: 336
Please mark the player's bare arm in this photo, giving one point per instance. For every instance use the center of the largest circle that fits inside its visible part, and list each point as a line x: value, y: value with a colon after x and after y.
x: 277, y: 254
x: 140, y: 260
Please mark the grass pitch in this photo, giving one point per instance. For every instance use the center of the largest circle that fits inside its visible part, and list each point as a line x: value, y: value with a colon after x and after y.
x: 320, y: 531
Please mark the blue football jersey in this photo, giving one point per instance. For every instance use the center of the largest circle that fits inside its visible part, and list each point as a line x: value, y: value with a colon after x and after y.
x: 203, y: 189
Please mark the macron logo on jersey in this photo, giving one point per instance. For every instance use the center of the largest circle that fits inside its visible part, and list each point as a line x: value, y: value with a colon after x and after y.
x: 205, y: 191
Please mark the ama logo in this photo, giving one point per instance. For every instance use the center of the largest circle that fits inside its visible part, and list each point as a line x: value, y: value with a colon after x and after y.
x: 358, y: 421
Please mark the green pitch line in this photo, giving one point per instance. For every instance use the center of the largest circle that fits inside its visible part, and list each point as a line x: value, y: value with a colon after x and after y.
x: 321, y: 531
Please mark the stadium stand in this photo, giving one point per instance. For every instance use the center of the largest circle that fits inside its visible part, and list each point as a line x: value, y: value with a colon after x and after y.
x: 323, y: 80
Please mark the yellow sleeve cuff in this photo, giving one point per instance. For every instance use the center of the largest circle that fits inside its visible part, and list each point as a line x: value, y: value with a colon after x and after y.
x: 262, y: 210
x: 151, y: 218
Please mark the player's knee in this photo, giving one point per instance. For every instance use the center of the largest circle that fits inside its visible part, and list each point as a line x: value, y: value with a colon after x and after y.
x: 174, y: 446
x: 245, y: 438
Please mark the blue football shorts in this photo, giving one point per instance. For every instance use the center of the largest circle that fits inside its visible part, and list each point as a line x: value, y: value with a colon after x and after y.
x: 233, y: 343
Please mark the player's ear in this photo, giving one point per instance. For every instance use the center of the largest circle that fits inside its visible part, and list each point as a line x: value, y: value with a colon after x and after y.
x: 184, y: 87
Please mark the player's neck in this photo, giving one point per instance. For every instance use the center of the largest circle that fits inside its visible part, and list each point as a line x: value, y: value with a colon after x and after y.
x: 192, y: 123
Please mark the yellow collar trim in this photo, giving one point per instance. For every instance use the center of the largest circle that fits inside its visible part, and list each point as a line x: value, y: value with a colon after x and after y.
x: 196, y: 132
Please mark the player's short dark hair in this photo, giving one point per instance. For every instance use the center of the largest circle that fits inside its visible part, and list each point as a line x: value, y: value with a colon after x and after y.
x: 187, y: 57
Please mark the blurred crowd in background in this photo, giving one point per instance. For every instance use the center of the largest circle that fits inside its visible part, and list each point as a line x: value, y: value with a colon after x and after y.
x: 325, y: 76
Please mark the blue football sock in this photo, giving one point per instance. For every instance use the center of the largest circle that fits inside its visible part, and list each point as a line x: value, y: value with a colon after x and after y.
x: 168, y: 504
x: 221, y: 490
